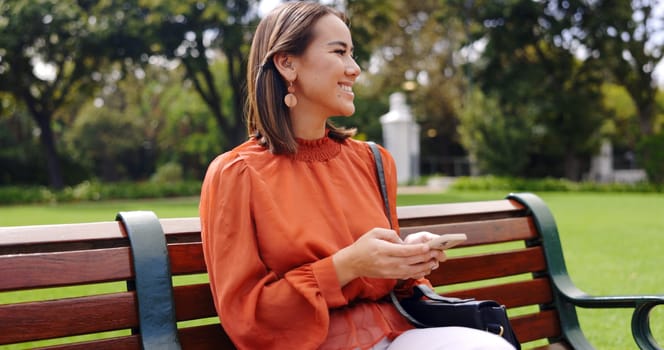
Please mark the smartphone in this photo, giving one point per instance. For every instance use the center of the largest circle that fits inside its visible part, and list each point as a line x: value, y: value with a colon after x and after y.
x: 447, y: 240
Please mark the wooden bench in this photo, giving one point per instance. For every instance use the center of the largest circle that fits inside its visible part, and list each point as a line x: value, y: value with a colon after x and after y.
x: 99, y: 309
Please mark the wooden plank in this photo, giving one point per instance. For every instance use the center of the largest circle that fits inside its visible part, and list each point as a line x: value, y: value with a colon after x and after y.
x: 532, y: 327
x: 515, y: 294
x: 490, y: 265
x: 39, y: 234
x: 207, y: 337
x: 130, y: 342
x: 186, y: 258
x: 64, y: 268
x: 193, y: 302
x: 460, y: 212
x: 554, y: 346
x: 483, y: 231
x: 65, y: 317
x: 181, y: 225
x: 454, y: 209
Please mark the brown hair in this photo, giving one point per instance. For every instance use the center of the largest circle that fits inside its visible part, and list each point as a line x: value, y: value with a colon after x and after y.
x: 286, y: 29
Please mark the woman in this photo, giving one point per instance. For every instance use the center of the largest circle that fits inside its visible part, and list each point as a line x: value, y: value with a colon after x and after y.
x: 297, y: 244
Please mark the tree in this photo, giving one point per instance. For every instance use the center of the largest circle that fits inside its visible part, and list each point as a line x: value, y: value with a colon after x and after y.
x: 196, y: 34
x: 413, y: 46
x: 111, y: 140
x: 499, y: 144
x: 52, y: 50
x: 187, y: 135
x: 18, y: 147
x: 623, y: 36
x: 529, y: 66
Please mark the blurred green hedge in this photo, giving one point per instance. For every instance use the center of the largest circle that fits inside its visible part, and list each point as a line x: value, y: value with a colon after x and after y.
x: 95, y: 191
x: 495, y: 183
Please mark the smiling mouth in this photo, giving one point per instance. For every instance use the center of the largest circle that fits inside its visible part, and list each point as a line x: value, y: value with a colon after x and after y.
x: 346, y: 88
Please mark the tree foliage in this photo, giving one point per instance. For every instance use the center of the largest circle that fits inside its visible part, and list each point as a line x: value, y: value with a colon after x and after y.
x: 623, y: 36
x: 413, y: 46
x: 537, y: 79
x: 197, y: 34
x: 53, y: 50
x: 499, y: 144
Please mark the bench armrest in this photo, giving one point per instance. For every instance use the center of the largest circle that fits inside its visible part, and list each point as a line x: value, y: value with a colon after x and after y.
x: 642, y: 305
x: 567, y: 296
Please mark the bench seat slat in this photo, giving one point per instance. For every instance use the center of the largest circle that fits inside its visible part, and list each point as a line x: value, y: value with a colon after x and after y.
x: 532, y: 327
x: 64, y: 268
x: 490, y: 265
x: 516, y: 294
x: 483, y: 231
x: 193, y: 302
x: 72, y: 316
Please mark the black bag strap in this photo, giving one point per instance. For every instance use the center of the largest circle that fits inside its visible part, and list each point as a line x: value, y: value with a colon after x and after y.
x: 403, y: 311
x: 380, y: 174
x: 154, y: 288
x: 423, y: 290
x: 419, y: 291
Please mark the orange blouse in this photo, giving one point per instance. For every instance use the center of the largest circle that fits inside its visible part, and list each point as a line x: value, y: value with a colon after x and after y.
x: 270, y: 224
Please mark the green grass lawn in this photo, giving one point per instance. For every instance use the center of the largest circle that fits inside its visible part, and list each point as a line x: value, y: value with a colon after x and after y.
x: 613, y: 243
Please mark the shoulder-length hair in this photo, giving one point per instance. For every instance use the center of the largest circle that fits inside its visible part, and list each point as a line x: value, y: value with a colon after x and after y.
x: 286, y: 29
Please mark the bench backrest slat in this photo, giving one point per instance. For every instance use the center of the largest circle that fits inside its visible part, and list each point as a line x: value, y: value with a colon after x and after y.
x: 103, y: 233
x: 512, y: 294
x: 536, y: 326
x: 193, y: 301
x: 186, y: 258
x: 65, y: 317
x: 482, y: 231
x: 490, y: 265
x: 452, y: 211
x: 37, y: 270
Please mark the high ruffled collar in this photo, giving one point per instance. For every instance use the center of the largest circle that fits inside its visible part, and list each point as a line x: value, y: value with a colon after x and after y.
x: 318, y: 150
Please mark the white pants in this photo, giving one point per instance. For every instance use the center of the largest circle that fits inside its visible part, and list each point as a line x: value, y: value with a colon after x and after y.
x: 445, y: 338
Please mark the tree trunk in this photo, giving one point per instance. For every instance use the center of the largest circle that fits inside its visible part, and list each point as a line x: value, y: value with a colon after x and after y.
x: 572, y: 167
x: 48, y: 143
x: 646, y: 117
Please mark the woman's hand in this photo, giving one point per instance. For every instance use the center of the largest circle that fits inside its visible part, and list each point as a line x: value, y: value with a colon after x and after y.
x: 425, y: 237
x: 380, y: 253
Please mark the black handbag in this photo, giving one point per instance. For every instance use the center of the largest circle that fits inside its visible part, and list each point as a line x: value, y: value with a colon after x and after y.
x: 426, y: 308
x: 438, y: 311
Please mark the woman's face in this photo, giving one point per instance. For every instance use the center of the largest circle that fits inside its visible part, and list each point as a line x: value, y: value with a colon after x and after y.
x: 326, y: 71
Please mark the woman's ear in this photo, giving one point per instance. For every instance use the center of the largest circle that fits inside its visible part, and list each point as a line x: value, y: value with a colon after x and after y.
x: 285, y: 66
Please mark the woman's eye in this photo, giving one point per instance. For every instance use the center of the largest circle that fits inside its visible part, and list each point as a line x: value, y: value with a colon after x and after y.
x: 340, y: 52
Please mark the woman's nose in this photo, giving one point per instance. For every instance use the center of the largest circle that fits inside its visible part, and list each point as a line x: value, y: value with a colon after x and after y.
x: 353, y: 68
